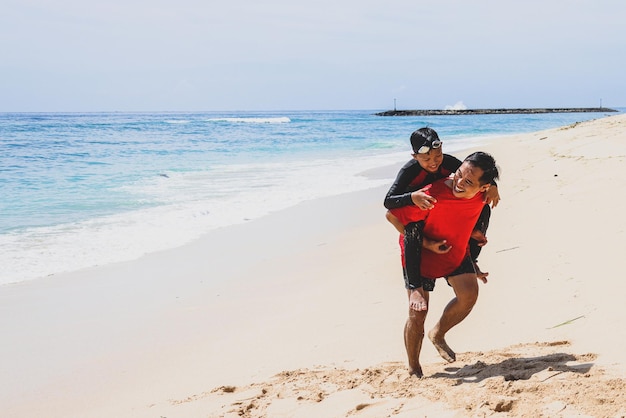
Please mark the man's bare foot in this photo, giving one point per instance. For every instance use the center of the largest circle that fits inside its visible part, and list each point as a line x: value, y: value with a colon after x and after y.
x: 417, y: 372
x: 442, y: 347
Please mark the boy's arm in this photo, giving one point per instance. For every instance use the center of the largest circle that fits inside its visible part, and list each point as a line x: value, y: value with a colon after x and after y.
x: 492, y: 196
x: 399, y: 195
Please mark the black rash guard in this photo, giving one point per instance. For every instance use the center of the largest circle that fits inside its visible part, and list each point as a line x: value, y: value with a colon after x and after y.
x: 412, y: 177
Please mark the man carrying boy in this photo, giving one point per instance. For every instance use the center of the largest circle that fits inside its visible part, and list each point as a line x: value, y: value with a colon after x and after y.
x: 429, y: 164
x: 437, y: 240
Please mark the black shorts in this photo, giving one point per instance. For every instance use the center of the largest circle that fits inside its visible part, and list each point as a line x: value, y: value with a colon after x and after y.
x: 467, y: 266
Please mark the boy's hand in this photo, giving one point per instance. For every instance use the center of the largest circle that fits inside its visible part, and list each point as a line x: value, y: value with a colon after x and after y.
x: 492, y: 196
x: 422, y: 200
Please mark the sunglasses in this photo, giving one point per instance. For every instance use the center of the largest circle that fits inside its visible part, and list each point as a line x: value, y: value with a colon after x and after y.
x: 428, y: 146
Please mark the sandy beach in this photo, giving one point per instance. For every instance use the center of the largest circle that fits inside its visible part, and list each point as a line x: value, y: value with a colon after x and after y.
x: 300, y: 313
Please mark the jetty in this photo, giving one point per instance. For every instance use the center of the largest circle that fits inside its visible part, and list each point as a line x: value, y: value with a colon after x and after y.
x: 440, y: 112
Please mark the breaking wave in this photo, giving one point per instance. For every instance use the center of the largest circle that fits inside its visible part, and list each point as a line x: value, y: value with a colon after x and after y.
x: 282, y: 119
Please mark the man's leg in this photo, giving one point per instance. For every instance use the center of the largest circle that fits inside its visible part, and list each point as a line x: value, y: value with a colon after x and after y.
x: 414, y: 335
x: 465, y: 288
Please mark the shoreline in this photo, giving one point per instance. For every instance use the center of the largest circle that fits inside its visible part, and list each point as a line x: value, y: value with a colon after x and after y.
x: 300, y: 313
x: 495, y: 111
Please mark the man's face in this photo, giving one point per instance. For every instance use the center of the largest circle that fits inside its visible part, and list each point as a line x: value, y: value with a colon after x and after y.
x: 465, y: 182
x: 431, y: 160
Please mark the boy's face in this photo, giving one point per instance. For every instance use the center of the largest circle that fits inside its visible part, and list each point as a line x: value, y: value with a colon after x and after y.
x: 431, y: 160
x: 465, y: 182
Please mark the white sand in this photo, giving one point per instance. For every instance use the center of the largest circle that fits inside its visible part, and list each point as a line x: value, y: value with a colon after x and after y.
x: 301, y: 313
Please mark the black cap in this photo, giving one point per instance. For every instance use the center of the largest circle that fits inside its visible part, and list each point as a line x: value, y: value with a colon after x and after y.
x: 424, y: 137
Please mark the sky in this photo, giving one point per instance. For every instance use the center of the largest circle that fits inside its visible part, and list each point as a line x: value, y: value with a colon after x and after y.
x: 207, y: 55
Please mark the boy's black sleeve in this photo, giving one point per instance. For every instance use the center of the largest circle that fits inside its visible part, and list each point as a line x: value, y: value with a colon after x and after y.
x: 399, y: 194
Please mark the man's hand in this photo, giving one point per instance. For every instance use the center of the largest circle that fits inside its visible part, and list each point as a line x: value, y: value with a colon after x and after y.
x: 439, y: 247
x: 423, y: 200
x: 480, y: 238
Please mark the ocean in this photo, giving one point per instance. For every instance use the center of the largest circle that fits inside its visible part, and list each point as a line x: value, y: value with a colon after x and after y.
x: 86, y: 189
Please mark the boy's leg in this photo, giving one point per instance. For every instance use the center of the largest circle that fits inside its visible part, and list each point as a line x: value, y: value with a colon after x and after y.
x: 413, y: 238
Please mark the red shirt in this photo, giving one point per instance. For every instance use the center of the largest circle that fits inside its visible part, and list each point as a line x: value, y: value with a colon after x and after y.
x: 452, y: 219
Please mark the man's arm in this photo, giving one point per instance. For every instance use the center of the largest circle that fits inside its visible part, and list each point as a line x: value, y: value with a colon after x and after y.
x: 395, y: 222
x: 438, y: 247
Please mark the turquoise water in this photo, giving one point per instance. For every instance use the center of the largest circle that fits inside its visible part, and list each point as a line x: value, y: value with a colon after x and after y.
x: 73, y: 184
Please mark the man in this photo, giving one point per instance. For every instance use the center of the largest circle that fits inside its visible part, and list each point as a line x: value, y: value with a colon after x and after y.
x: 438, y: 241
